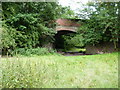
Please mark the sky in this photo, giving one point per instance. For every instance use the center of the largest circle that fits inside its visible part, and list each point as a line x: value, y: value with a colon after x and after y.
x: 77, y: 6
x: 74, y: 4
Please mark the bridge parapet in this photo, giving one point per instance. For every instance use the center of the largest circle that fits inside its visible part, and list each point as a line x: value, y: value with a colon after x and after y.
x: 67, y: 25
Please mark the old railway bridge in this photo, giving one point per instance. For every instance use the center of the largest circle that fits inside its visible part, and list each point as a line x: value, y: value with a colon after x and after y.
x: 67, y: 26
x: 64, y: 26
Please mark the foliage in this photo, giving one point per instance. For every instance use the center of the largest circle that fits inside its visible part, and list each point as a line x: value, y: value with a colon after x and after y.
x: 28, y: 24
x: 73, y: 40
x: 67, y: 13
x: 101, y: 24
x: 8, y: 39
x: 29, y: 30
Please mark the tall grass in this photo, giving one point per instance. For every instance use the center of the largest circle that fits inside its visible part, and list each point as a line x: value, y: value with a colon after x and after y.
x: 53, y: 71
x: 32, y: 51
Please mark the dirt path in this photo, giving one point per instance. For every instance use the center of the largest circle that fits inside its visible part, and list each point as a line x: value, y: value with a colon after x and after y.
x: 72, y: 53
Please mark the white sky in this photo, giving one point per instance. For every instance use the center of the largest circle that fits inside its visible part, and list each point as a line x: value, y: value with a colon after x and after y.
x: 74, y: 4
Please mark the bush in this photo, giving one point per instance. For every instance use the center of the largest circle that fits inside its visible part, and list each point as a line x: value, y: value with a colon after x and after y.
x: 24, y: 31
x: 7, y: 39
x: 71, y: 41
x: 33, y: 51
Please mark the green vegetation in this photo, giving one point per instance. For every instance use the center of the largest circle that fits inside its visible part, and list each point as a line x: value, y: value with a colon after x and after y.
x: 56, y: 71
x: 72, y: 41
x: 29, y: 24
x: 101, y: 24
x: 28, y: 33
x: 97, y: 26
x: 76, y: 50
x: 33, y: 51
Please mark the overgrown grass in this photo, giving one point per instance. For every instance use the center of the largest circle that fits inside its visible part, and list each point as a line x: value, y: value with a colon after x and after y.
x: 55, y: 71
x: 33, y: 52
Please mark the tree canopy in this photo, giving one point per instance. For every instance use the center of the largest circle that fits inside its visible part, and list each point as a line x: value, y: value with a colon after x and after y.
x: 32, y: 24
x: 29, y: 24
x: 102, y: 23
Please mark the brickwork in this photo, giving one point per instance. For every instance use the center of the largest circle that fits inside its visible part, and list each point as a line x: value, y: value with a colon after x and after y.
x: 66, y: 24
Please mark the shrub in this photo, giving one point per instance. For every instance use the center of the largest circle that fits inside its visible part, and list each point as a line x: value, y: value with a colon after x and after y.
x: 71, y: 41
x: 7, y: 39
x: 33, y: 51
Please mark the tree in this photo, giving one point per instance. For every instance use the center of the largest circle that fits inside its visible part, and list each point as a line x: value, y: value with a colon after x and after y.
x: 28, y: 24
x: 101, y: 24
x: 67, y: 13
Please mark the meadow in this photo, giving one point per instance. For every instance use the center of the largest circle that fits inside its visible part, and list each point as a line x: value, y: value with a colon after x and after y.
x: 57, y: 71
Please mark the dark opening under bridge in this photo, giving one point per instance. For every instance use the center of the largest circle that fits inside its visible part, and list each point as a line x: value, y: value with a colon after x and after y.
x: 64, y: 26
